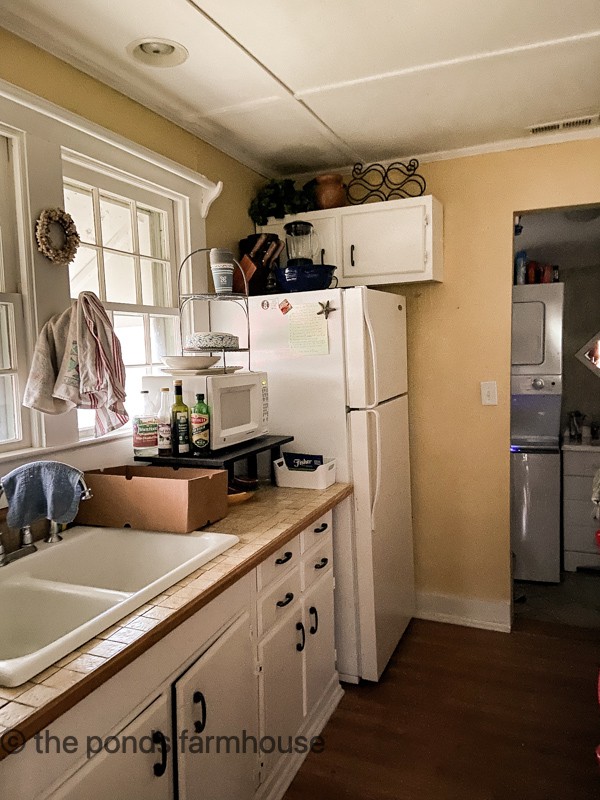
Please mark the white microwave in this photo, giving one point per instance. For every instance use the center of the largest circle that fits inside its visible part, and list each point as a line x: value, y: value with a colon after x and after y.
x: 238, y: 403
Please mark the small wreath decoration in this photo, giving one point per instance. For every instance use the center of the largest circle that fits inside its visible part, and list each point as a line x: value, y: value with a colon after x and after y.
x: 59, y: 255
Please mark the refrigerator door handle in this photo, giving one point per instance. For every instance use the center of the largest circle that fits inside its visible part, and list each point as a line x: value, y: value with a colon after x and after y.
x: 378, y: 475
x: 374, y: 362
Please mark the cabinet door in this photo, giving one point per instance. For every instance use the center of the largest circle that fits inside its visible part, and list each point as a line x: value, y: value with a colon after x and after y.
x: 136, y: 763
x: 320, y: 641
x: 216, y: 713
x: 282, y: 698
x: 385, y: 244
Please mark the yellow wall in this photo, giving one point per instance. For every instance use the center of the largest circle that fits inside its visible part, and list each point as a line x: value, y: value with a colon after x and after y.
x: 459, y: 334
x: 33, y: 69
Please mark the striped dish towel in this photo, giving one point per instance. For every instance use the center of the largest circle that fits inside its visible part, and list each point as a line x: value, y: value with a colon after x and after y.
x: 86, y: 370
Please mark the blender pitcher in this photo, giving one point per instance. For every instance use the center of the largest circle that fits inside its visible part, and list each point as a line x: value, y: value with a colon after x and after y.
x: 301, y: 243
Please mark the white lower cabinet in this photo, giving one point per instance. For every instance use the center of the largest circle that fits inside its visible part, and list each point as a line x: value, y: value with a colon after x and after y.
x: 281, y: 691
x: 195, y: 716
x: 216, y: 720
x: 296, y: 655
x: 319, y: 657
x: 136, y: 762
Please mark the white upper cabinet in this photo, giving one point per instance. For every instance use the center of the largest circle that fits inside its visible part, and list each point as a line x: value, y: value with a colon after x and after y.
x: 397, y: 241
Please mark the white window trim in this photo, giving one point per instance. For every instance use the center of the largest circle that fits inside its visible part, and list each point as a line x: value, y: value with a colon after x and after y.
x: 39, y: 132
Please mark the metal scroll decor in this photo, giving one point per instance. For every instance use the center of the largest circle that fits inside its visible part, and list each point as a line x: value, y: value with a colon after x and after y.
x: 377, y: 182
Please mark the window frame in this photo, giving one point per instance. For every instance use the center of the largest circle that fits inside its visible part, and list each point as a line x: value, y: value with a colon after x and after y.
x: 42, y: 135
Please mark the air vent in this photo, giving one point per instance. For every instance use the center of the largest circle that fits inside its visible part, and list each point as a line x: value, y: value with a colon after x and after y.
x: 565, y: 125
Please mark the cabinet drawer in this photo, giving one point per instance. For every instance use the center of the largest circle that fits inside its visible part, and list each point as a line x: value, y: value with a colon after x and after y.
x: 580, y: 464
x: 582, y: 538
x: 315, y: 532
x: 317, y: 562
x: 577, y: 487
x: 579, y: 512
x: 277, y: 564
x: 278, y: 600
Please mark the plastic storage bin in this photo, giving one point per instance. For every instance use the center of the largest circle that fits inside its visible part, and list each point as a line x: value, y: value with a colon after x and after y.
x: 320, y: 478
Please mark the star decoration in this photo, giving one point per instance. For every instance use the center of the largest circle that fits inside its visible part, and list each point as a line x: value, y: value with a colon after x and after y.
x: 326, y: 309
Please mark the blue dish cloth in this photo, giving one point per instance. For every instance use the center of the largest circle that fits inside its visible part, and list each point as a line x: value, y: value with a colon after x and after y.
x: 42, y: 489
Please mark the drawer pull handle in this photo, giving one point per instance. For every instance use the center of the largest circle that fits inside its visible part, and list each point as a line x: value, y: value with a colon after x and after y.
x: 286, y: 601
x: 313, y: 612
x: 322, y: 563
x: 352, y: 264
x: 159, y: 738
x: 321, y: 528
x: 200, y: 724
x: 284, y: 558
x: 300, y: 645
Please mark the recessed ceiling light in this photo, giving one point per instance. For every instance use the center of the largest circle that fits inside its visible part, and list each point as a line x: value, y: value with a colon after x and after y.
x: 155, y: 52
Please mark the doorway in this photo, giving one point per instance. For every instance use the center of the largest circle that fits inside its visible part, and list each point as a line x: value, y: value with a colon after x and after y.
x: 555, y: 416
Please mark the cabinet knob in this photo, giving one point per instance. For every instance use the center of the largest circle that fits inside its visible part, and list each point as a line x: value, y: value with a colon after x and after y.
x: 160, y: 739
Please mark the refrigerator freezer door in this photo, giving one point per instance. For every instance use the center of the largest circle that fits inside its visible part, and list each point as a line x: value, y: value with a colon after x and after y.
x: 535, y: 516
x: 383, y: 532
x: 307, y: 393
x: 375, y: 330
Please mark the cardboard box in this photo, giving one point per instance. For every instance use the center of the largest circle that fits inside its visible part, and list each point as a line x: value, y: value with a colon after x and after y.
x: 154, y: 498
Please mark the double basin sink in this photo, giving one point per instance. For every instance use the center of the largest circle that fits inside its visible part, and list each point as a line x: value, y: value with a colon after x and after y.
x: 58, y: 598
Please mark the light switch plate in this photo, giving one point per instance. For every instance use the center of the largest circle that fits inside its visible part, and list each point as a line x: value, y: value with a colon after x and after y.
x: 489, y: 393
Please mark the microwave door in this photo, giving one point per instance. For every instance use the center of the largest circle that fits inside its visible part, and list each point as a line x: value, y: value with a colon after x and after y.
x: 238, y: 405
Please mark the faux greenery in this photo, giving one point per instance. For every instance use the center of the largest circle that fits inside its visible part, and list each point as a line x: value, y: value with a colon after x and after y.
x: 278, y: 198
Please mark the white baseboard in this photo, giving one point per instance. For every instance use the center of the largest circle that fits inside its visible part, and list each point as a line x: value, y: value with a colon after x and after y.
x: 469, y: 611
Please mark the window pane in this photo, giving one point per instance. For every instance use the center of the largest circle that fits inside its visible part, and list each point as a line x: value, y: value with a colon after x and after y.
x: 130, y: 331
x: 115, y: 218
x: 86, y: 423
x: 151, y: 232
x: 133, y: 386
x: 163, y: 337
x: 79, y: 204
x: 5, y: 336
x: 83, y: 272
x: 155, y: 283
x: 8, y: 409
x: 119, y: 276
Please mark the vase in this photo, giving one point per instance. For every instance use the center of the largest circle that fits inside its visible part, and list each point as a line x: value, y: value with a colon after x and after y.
x: 330, y: 191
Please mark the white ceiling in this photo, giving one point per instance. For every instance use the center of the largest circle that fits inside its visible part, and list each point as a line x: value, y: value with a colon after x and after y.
x: 292, y: 87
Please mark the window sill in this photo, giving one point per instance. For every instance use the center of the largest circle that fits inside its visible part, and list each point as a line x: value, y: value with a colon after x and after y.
x: 29, y: 452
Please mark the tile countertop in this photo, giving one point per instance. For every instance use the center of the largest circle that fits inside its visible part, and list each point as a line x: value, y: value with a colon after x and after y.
x: 263, y: 524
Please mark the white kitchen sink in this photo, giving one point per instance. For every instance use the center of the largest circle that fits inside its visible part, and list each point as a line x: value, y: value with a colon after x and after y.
x: 60, y: 597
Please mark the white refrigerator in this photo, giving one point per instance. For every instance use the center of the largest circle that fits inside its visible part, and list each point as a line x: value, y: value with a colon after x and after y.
x: 338, y: 384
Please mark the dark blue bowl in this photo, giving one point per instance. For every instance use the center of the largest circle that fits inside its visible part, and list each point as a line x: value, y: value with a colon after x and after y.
x: 304, y: 279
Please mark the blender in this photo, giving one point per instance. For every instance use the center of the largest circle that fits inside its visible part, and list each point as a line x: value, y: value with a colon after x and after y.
x: 300, y: 243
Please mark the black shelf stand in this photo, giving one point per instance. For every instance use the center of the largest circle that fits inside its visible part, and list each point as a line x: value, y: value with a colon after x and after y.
x: 227, y: 458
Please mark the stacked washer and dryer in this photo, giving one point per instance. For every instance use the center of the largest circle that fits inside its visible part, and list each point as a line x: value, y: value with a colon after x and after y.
x: 536, y: 397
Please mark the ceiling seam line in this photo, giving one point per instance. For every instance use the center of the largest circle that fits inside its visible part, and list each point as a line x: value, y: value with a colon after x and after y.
x: 448, y: 63
x: 350, y: 151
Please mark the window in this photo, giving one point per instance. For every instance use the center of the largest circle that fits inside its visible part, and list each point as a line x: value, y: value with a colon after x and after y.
x: 128, y: 258
x: 14, y: 424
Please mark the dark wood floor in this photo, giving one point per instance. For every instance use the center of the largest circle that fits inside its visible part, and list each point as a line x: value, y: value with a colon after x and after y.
x: 466, y: 714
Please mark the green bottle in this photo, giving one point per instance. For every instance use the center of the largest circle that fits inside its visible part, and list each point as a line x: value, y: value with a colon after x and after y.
x: 200, y: 419
x: 180, y: 424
